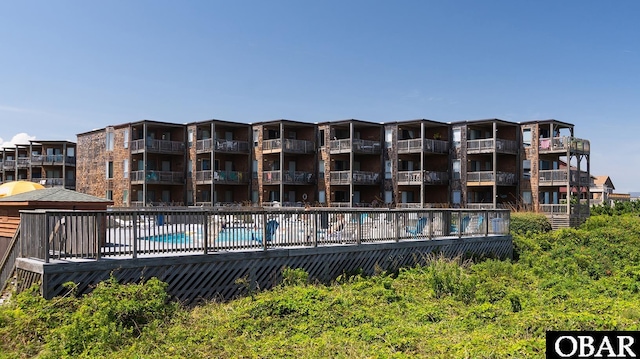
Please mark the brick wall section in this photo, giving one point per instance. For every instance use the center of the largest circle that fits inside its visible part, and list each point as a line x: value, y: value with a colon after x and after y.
x: 91, y: 163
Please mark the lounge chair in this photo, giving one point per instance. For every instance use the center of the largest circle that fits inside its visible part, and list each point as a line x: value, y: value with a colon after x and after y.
x: 418, y: 228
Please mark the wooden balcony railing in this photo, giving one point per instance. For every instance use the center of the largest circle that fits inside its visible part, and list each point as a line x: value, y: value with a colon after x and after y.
x: 287, y: 177
x: 419, y: 177
x: 163, y: 177
x: 563, y: 144
x: 488, y: 145
x: 288, y: 146
x: 227, y: 177
x: 157, y: 146
x: 486, y: 177
x: 357, y: 177
x: 562, y: 177
x: 418, y: 145
x: 356, y: 146
x: 232, y: 146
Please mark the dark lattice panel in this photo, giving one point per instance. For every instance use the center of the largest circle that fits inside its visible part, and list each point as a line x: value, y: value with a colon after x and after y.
x: 195, y: 278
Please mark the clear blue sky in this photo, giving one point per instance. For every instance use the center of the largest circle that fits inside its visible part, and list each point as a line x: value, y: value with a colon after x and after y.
x: 68, y: 67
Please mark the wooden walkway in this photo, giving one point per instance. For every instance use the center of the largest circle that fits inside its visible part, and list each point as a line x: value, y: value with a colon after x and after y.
x: 201, y: 260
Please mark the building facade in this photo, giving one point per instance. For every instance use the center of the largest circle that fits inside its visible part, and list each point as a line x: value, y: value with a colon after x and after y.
x: 536, y: 165
x: 49, y: 163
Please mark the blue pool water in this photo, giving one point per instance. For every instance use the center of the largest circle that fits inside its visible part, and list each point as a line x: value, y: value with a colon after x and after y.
x: 173, y: 238
x: 239, y: 234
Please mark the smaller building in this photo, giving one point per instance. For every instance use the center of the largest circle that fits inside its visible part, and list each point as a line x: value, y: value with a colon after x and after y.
x: 602, y: 192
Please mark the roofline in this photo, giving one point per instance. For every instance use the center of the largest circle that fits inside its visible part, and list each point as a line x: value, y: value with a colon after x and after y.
x: 488, y: 120
x: 565, y: 124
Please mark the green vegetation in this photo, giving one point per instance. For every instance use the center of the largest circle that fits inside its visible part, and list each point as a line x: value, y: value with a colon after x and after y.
x: 570, y: 279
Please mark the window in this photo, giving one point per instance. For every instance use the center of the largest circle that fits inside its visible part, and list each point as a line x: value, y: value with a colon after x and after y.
x: 322, y: 196
x: 321, y: 167
x: 526, y: 197
x: 456, y: 197
x: 110, y: 169
x: 388, y: 197
x: 125, y: 139
x: 109, y: 195
x: 387, y: 169
x: 321, y: 138
x: 526, y: 169
x: 456, y: 169
x: 256, y: 135
x: 109, y: 140
x: 388, y: 138
x: 190, y: 138
x: 125, y: 197
x: 125, y: 164
x: 526, y: 137
x: 254, y: 170
x: 457, y: 137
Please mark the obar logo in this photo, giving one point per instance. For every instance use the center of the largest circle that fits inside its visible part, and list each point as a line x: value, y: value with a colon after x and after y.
x: 592, y: 344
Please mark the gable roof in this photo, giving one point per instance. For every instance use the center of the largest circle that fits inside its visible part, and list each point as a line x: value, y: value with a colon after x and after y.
x: 54, y: 194
x: 601, y: 180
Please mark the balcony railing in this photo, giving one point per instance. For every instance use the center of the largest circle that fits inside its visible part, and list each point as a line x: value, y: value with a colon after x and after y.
x: 488, y: 145
x: 157, y: 146
x: 164, y: 177
x: 288, y: 146
x: 22, y: 162
x: 56, y: 182
x: 426, y: 177
x: 486, y: 177
x: 287, y: 177
x: 43, y: 160
x: 423, y: 145
x: 564, y: 143
x: 234, y: 146
x: 358, y: 177
x: 228, y: 177
x: 9, y: 164
x: 356, y: 146
x: 562, y: 177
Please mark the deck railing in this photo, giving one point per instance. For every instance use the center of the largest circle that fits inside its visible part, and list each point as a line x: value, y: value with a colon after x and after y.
x: 489, y: 145
x: 501, y: 178
x: 417, y: 145
x: 159, y: 146
x: 564, y: 143
x: 355, y: 177
x: 65, y: 235
x: 347, y: 145
x: 289, y: 146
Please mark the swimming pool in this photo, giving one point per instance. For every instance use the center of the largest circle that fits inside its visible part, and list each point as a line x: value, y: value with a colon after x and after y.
x: 172, y: 238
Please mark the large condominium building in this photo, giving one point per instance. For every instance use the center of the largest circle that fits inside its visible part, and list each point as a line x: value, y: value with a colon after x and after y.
x: 50, y: 163
x: 537, y: 165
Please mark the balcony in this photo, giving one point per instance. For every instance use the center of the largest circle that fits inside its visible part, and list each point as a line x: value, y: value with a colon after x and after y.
x: 52, y: 160
x: 157, y: 146
x: 229, y: 146
x: 356, y: 146
x: 9, y: 164
x: 56, y: 182
x: 564, y: 144
x: 157, y: 177
x: 562, y: 177
x: 489, y: 145
x: 222, y: 177
x: 22, y: 162
x: 423, y: 145
x: 357, y: 177
x: 419, y: 177
x: 487, y: 178
x: 288, y: 146
x: 278, y: 177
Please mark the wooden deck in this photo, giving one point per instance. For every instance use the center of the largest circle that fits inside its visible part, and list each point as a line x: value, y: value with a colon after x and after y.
x: 203, y: 268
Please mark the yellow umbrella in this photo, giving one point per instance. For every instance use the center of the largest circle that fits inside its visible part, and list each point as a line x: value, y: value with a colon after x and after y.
x: 15, y: 187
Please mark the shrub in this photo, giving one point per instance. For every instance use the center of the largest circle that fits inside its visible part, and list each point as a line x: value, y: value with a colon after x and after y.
x: 110, y: 316
x: 523, y: 223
